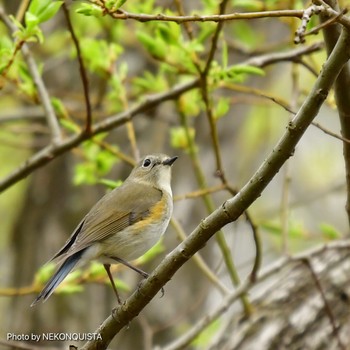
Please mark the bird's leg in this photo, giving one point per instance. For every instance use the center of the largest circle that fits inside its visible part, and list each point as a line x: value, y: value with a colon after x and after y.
x: 108, y: 270
x: 141, y: 272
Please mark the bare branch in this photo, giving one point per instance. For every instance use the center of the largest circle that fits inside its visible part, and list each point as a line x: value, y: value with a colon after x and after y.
x: 52, y: 151
x: 327, y: 307
x: 289, y: 56
x: 82, y: 70
x: 120, y: 14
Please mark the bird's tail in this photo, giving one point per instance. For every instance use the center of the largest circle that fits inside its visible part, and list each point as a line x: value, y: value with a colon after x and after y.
x: 58, y: 277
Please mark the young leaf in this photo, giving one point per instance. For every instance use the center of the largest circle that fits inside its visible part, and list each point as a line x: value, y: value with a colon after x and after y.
x: 154, y: 45
x: 179, y: 137
x: 44, y: 273
x: 329, y: 232
x: 50, y: 11
x: 222, y: 107
x: 111, y: 184
x: 90, y: 10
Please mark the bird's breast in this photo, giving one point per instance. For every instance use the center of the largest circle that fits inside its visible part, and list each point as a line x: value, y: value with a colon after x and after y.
x: 135, y: 240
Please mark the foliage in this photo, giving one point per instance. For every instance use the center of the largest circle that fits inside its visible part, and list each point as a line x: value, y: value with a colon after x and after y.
x: 135, y: 56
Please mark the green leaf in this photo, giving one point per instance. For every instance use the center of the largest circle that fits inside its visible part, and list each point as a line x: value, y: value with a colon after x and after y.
x: 85, y: 173
x: 296, y: 230
x: 191, y: 103
x: 36, y: 6
x: 329, y: 232
x: 73, y: 276
x: 70, y: 288
x: 70, y: 125
x: 120, y: 3
x: 150, y: 82
x: 224, y: 55
x: 236, y: 73
x: 222, y: 107
x: 246, y: 36
x: 169, y: 32
x: 120, y: 284
x: 90, y: 10
x: 26, y: 84
x: 98, y: 162
x: 100, y: 55
x: 96, y: 271
x: 111, y: 184
x: 154, y: 45
x: 157, y: 249
x: 61, y: 111
x: 250, y: 5
x: 114, y: 5
x: 41, y: 11
x: 207, y: 30
x: 204, y: 338
x: 31, y: 20
x: 49, y: 11
x: 179, y: 137
x: 44, y: 273
x: 245, y: 69
x: 17, y: 23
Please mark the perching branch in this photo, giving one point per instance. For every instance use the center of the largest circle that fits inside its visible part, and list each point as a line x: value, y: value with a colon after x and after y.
x: 342, y: 96
x: 230, y: 210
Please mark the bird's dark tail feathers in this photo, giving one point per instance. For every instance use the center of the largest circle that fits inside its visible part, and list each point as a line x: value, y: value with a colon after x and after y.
x: 58, y: 277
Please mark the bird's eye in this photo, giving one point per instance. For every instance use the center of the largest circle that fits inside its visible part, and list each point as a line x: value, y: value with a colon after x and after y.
x: 146, y: 163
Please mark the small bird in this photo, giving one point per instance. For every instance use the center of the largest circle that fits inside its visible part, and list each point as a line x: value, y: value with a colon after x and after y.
x: 122, y: 225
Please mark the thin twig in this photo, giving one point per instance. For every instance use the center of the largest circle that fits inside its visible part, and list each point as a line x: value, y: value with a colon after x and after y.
x: 328, y: 308
x: 82, y: 70
x: 104, y: 145
x: 199, y: 261
x: 187, y: 25
x: 258, y: 247
x: 282, y: 104
x: 22, y: 8
x: 215, y: 39
x: 200, y: 193
x: 325, y: 24
x: 343, y: 20
x: 210, y: 18
x: 307, y: 14
x: 256, y: 237
x: 220, y: 237
x: 291, y: 55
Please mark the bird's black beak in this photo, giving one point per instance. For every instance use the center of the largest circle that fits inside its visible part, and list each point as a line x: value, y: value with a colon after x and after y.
x: 169, y: 161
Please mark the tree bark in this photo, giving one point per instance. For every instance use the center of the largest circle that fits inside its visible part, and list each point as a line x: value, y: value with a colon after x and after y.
x: 301, y: 308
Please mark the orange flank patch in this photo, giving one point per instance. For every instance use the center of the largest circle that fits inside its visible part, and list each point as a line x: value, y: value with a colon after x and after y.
x: 155, y: 215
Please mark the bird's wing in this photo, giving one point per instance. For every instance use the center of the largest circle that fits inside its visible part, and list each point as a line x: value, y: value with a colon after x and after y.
x: 114, y: 212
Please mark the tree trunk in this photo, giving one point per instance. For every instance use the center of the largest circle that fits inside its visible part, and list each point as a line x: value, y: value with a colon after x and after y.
x: 301, y: 308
